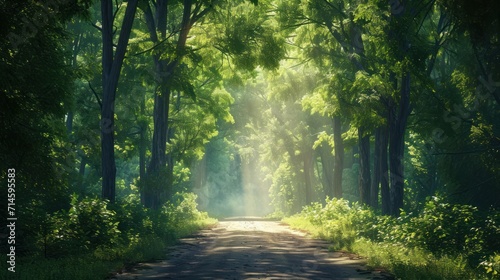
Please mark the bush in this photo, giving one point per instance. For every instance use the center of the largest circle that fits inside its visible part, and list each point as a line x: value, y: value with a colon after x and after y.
x: 340, y: 223
x: 445, y: 228
x: 492, y: 266
x: 107, y: 237
x: 492, y: 232
x: 444, y: 241
x: 177, y: 216
x: 86, y: 226
x: 134, y: 219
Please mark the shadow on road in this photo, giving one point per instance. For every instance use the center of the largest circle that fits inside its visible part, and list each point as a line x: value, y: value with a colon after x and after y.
x: 253, y: 248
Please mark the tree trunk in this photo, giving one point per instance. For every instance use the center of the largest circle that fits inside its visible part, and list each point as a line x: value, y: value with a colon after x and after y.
x: 200, y: 173
x: 142, y: 150
x: 308, y: 174
x: 170, y: 159
x: 69, y: 122
x: 81, y: 175
x: 397, y: 130
x: 376, y: 171
x: 327, y: 164
x: 111, y: 67
x: 384, y: 171
x: 364, y: 166
x: 339, y: 157
x: 154, y: 186
x: 158, y: 151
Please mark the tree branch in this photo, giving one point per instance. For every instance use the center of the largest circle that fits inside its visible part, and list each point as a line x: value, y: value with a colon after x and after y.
x: 96, y: 95
x: 196, y: 16
x: 152, y: 48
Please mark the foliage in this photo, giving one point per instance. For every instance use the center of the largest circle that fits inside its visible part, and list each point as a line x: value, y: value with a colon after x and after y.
x: 86, y: 267
x: 443, y: 240
x: 106, y: 237
x: 413, y: 263
x: 443, y: 228
x: 35, y: 91
x: 282, y: 189
x: 341, y: 222
x: 492, y: 266
x: 86, y: 226
x: 178, y: 217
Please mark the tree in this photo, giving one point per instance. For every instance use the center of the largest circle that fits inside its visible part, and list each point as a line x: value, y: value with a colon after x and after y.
x: 167, y: 59
x: 111, y: 68
x: 35, y: 93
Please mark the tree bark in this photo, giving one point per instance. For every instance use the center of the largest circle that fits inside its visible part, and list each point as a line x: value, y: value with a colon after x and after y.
x: 111, y: 67
x: 376, y: 171
x: 154, y: 194
x: 398, y: 119
x: 81, y: 175
x: 160, y: 117
x: 339, y: 157
x: 364, y: 166
x: 142, y: 149
x: 308, y: 173
x: 384, y: 171
x: 69, y: 122
x: 327, y: 168
x: 152, y: 191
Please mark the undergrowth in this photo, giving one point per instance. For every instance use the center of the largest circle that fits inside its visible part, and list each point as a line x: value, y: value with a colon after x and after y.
x: 443, y: 241
x: 93, y: 239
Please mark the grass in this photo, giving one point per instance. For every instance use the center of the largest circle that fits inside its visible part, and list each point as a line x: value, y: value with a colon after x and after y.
x: 300, y: 223
x: 405, y: 263
x: 85, y: 267
x: 102, y: 262
x: 413, y: 263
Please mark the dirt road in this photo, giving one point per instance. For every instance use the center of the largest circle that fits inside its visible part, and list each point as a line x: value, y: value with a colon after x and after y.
x: 252, y: 248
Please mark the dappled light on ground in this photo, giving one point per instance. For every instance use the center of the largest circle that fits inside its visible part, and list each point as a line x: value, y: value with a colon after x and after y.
x: 253, y: 248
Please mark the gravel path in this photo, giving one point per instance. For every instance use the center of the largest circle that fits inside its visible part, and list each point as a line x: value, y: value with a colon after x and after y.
x: 252, y: 248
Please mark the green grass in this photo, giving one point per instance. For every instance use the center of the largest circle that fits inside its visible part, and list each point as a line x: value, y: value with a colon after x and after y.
x: 413, y: 263
x: 405, y: 263
x: 341, y: 236
x: 102, y: 262
x: 300, y: 223
x: 85, y: 267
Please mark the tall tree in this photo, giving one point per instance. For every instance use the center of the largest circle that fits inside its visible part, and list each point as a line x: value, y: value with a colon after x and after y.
x: 167, y: 57
x: 111, y: 68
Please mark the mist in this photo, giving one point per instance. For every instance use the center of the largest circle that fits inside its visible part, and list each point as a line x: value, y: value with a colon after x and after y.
x: 229, y: 186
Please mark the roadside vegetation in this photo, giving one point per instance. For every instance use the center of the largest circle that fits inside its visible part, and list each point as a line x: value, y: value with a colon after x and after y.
x: 442, y: 241
x: 93, y: 238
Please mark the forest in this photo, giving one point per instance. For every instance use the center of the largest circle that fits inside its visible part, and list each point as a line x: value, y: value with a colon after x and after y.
x: 372, y: 124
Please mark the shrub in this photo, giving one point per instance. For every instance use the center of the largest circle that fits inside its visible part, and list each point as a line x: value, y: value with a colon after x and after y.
x: 445, y: 229
x: 492, y: 232
x: 134, y: 219
x: 341, y: 223
x: 106, y: 237
x: 86, y: 226
x: 176, y: 217
x: 492, y: 266
x: 443, y: 241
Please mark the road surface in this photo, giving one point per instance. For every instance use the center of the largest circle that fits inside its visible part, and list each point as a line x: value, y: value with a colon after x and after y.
x: 252, y: 248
